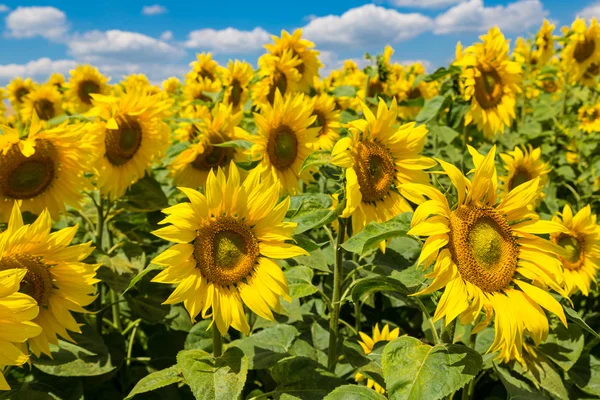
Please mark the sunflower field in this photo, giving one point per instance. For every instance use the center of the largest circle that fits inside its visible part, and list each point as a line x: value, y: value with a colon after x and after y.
x: 276, y: 233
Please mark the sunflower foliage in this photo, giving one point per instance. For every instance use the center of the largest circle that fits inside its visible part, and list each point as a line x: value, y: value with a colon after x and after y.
x: 282, y: 233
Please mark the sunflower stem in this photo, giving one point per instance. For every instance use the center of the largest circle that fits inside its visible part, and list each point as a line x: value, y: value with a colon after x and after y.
x: 217, y: 341
x: 100, y: 223
x: 136, y: 324
x: 468, y: 391
x: 334, y: 314
x: 116, y: 310
x: 434, y: 332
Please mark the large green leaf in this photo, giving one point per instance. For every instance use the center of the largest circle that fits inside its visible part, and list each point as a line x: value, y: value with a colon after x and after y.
x: 354, y: 392
x: 144, y: 196
x: 303, y: 378
x: 574, y: 317
x: 157, y: 380
x: 300, y: 281
x: 377, y: 284
x: 543, y: 375
x: 268, y: 346
x: 212, y: 378
x: 344, y: 91
x: 316, y: 218
x: 586, y: 374
x: 375, y: 232
x: 415, y: 370
x: 316, y: 159
x: 430, y: 110
x: 516, y: 387
x: 564, y: 345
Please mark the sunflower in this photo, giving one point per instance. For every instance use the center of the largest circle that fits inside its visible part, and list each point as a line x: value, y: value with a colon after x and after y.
x: 544, y: 44
x: 45, y: 170
x: 284, y: 139
x: 523, y: 165
x: 309, y: 65
x: 18, y: 88
x: 55, y: 276
x: 85, y: 80
x: 581, y: 243
x: 204, y: 68
x: 405, y: 88
x: 328, y: 120
x: 226, y: 240
x: 236, y: 80
x: 200, y: 90
x: 191, y: 167
x: 485, y: 254
x: 56, y: 79
x: 368, y: 343
x: 171, y: 85
x: 16, y: 312
x: 136, y: 83
x: 589, y: 118
x: 378, y: 156
x: 133, y: 134
x: 490, y: 82
x: 45, y: 100
x: 550, y: 82
x: 191, y: 124
x: 582, y: 50
x: 278, y: 73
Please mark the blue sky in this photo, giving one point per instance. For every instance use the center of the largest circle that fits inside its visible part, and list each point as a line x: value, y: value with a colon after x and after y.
x: 160, y: 39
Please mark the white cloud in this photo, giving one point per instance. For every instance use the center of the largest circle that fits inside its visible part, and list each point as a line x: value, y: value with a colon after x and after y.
x: 592, y: 11
x: 367, y: 26
x: 28, y: 22
x: 155, y: 9
x: 37, y: 69
x: 166, y: 36
x: 473, y: 16
x: 424, y: 3
x: 4, y: 8
x: 229, y: 40
x: 122, y: 46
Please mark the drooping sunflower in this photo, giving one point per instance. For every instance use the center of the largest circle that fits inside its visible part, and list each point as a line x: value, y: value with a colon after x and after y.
x: 378, y: 156
x: 45, y: 100
x: 85, y: 80
x: 309, y: 65
x: 284, y: 139
x: 236, y: 80
x: 133, y: 134
x: 226, y: 240
x: 487, y: 257
x: 191, y: 167
x: 328, y: 120
x: 581, y: 243
x: 56, y: 277
x: 523, y: 165
x: 57, y: 80
x: 490, y: 82
x: 589, y: 118
x: 278, y: 73
x: 582, y: 50
x: 46, y: 169
x: 204, y: 68
x: 17, y: 89
x: 16, y: 312
x: 368, y: 343
x: 171, y: 85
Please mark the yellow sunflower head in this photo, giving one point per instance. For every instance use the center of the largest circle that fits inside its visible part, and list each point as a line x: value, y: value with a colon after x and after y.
x: 45, y: 169
x: 487, y: 256
x: 524, y: 165
x: 589, y: 118
x: 581, y: 244
x: 226, y: 241
x: 204, y: 68
x: 327, y: 119
x: 56, y: 79
x: 368, y: 343
x: 17, y: 89
x: 378, y: 156
x: 193, y: 118
x: 196, y: 91
x: 44, y: 100
x: 136, y: 83
x: 285, y: 139
x: 85, y: 80
x: 403, y: 87
x: 544, y: 44
x: 171, y: 85
x: 581, y: 54
x: 279, y: 74
x: 491, y: 83
x: 133, y: 134
x: 55, y: 276
x: 236, y: 79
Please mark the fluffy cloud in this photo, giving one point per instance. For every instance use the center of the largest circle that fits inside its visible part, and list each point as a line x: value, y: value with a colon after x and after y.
x: 592, y: 11
x: 4, y: 8
x: 366, y: 26
x: 229, y: 40
x: 424, y: 3
x: 39, y: 69
x: 28, y: 22
x: 153, y: 10
x: 473, y: 16
x: 166, y: 36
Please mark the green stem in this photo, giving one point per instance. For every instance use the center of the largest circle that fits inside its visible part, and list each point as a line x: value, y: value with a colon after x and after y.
x: 131, y: 340
x: 100, y: 223
x: 434, y: 333
x: 116, y: 310
x: 357, y: 316
x: 334, y: 314
x: 217, y: 341
x: 469, y: 390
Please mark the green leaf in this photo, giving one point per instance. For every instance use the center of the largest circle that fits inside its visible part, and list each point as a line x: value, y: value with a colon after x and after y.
x: 546, y: 109
x: 241, y: 144
x: 564, y: 345
x: 430, y: 110
x: 141, y: 274
x: 300, y: 281
x: 376, y: 232
x: 543, y: 375
x: 517, y: 388
x: 144, y: 196
x: 212, y: 378
x: 157, y: 380
x: 354, y: 392
x: 586, y: 374
x: 415, y: 370
x: 317, y: 219
x: 344, y: 91
x: 367, y: 286
x: 315, y: 159
x: 265, y: 348
x: 444, y: 133
x: 304, y: 378
x: 574, y: 317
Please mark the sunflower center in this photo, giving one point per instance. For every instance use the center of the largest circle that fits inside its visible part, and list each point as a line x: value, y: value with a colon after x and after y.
x: 193, y: 132
x: 584, y: 50
x: 375, y: 170
x: 26, y: 177
x: 375, y: 87
x: 549, y: 86
x: 124, y: 142
x: 520, y: 176
x: 37, y: 283
x: 282, y: 147
x: 299, y: 67
x: 225, y: 250
x: 20, y: 92
x: 85, y: 89
x: 592, y: 71
x: 236, y: 93
x: 213, y: 157
x: 574, y: 252
x: 204, y: 74
x: 203, y: 97
x: 44, y: 109
x: 279, y: 82
x: 488, y: 86
x: 414, y: 93
x: 483, y: 247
